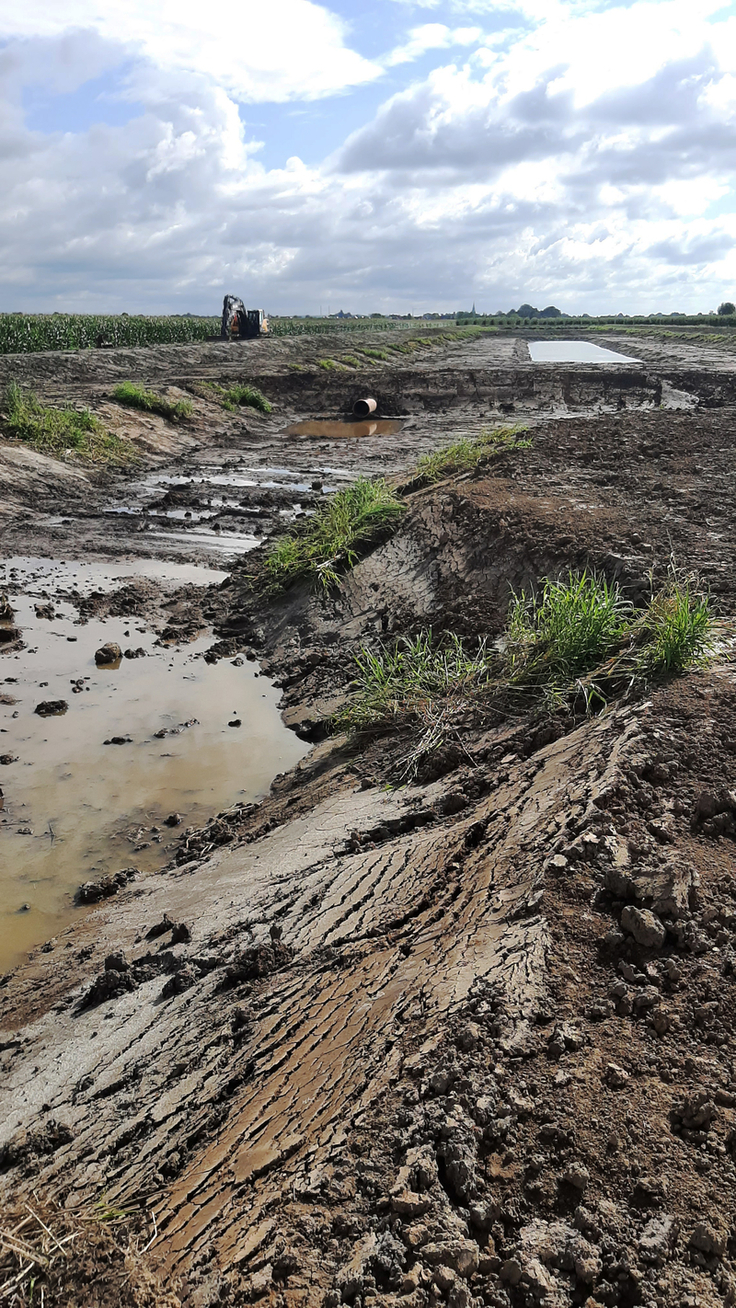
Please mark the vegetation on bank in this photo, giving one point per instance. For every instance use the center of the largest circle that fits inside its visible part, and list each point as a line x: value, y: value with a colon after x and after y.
x: 137, y: 397
x: 468, y: 453
x: 575, y: 640
x: 328, y: 543
x: 62, y: 433
x: 236, y: 396
x: 331, y: 541
x: 242, y: 395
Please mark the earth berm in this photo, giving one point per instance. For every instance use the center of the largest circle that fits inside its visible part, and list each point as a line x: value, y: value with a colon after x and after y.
x: 466, y: 1041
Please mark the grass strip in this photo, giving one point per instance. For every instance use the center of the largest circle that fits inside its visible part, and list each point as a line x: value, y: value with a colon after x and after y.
x: 330, y: 541
x: 62, y: 433
x: 137, y: 397
x: 466, y: 454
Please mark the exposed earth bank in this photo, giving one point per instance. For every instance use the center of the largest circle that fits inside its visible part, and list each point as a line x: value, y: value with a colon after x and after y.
x: 466, y: 1041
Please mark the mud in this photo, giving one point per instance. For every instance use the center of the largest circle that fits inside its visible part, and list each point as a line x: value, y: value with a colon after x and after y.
x: 468, y: 1041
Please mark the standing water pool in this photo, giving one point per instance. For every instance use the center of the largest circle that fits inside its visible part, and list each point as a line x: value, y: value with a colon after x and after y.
x: 75, y: 808
x: 575, y: 352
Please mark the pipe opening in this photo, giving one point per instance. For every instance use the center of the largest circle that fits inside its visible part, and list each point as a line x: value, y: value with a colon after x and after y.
x: 362, y: 408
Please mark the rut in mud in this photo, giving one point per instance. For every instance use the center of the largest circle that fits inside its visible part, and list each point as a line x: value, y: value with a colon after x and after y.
x: 466, y: 1042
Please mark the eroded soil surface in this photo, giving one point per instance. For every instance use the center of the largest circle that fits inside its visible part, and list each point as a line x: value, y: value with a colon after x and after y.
x: 465, y: 1041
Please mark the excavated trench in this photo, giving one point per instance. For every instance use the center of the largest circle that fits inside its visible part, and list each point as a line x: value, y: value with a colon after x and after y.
x: 465, y: 1041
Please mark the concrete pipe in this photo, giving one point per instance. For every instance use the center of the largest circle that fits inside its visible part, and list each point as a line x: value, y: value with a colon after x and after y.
x: 362, y: 408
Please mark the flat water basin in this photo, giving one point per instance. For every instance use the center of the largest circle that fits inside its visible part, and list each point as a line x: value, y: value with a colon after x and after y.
x: 331, y: 429
x: 575, y: 352
x: 75, y: 809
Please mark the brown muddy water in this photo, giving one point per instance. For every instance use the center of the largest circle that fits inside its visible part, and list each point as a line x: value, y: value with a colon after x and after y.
x: 330, y: 429
x: 75, y: 808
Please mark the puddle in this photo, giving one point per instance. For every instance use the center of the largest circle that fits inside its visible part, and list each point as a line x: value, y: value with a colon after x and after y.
x: 224, y: 542
x: 336, y: 429
x: 575, y: 352
x: 74, y: 808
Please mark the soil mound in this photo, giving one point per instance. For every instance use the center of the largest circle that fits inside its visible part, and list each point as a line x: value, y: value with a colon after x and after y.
x: 467, y: 1041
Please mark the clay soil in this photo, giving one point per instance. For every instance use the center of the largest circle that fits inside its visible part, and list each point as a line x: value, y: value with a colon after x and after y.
x: 468, y: 1040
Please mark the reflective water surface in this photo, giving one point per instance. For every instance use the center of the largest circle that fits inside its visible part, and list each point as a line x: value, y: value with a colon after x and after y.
x: 575, y: 352
x: 75, y: 808
x: 332, y: 429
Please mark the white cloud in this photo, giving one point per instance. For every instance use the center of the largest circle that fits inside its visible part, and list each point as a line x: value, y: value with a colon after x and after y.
x: 431, y: 36
x: 257, y: 49
x: 554, y: 165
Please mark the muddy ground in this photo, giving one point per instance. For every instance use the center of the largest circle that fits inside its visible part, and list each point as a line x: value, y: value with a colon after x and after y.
x: 465, y: 1041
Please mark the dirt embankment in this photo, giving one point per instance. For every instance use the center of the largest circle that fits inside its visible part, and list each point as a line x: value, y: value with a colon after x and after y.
x: 623, y: 494
x: 439, y: 386
x: 469, y: 1042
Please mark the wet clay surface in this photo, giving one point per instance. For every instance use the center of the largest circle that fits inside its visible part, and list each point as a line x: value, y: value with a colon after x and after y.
x: 466, y: 1042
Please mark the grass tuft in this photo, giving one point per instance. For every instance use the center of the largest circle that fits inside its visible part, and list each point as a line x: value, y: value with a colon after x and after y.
x: 577, y: 641
x: 677, y: 628
x: 406, y: 677
x: 466, y: 454
x: 137, y: 397
x: 239, y: 396
x: 62, y: 433
x: 565, y: 629
x: 373, y: 353
x: 330, y: 541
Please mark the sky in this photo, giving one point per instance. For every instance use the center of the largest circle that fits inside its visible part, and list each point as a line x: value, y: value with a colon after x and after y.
x: 367, y: 155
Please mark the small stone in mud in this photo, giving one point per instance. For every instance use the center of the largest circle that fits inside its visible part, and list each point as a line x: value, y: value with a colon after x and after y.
x: 109, y: 653
x: 173, y: 820
x: 180, y: 981
x: 235, y: 723
x: 118, y: 740
x: 92, y: 891
x: 8, y: 758
x: 49, y: 708
x: 139, y: 653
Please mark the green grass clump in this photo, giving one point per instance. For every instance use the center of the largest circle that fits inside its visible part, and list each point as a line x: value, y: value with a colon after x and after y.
x: 374, y: 354
x: 404, y: 678
x: 239, y: 396
x: 677, y: 628
x: 576, y: 641
x: 137, y: 397
x: 62, y: 433
x: 565, y: 629
x: 351, y: 361
x: 329, y: 365
x: 466, y: 454
x: 330, y: 541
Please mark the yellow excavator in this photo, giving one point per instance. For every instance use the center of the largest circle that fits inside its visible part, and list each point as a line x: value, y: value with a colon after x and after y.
x: 239, y: 323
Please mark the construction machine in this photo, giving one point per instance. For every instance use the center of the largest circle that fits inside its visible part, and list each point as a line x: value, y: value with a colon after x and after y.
x: 240, y: 323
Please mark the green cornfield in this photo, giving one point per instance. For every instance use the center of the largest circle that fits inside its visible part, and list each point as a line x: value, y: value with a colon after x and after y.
x: 26, y: 333
x: 22, y: 333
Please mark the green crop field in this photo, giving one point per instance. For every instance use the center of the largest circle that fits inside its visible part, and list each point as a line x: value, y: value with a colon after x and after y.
x: 26, y: 333
x: 22, y: 333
